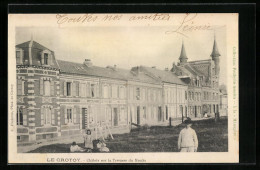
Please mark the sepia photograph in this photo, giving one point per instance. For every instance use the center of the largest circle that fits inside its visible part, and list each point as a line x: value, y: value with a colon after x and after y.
x: 120, y: 88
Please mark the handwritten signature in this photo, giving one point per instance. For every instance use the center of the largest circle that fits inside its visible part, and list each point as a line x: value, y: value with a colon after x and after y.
x: 187, y: 24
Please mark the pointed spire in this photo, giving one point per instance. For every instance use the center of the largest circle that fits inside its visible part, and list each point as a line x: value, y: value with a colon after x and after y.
x: 215, y: 52
x: 183, y: 52
x: 31, y: 37
x: 183, y: 57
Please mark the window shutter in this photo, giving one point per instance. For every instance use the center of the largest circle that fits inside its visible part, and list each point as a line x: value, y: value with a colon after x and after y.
x: 52, y: 88
x: 24, y: 116
x: 61, y: 88
x: 49, y: 59
x: 65, y: 115
x: 41, y: 86
x: 42, y: 116
x: 97, y: 90
x: 19, y: 87
x: 80, y: 89
x: 74, y: 112
x: 86, y: 89
x: 89, y: 90
x: 65, y: 88
x: 78, y: 115
x: 83, y: 89
x: 73, y: 89
x: 77, y: 88
x: 52, y: 116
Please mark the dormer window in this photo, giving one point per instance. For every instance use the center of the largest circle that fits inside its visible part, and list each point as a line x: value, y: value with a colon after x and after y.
x: 46, y: 59
x: 19, y: 56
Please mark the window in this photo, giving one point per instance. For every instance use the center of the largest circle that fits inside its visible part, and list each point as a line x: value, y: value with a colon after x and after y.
x: 82, y: 90
x: 68, y: 118
x: 77, y: 88
x: 185, y: 95
x: 18, y: 57
x: 123, y: 116
x: 109, y: 116
x: 192, y: 96
x: 159, y: 96
x: 47, y: 87
x: 20, y: 87
x: 46, y: 113
x: 144, y: 112
x: 122, y: 92
x: 105, y: 91
x: 131, y: 95
x: 47, y: 116
x: 148, y: 94
x: 92, y: 90
x: 152, y: 113
x: 45, y: 58
x: 68, y: 85
x: 19, y: 116
x: 151, y: 95
x: 143, y: 95
x: 137, y: 93
x: 115, y: 91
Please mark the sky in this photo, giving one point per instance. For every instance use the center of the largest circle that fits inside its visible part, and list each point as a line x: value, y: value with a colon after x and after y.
x: 126, y: 46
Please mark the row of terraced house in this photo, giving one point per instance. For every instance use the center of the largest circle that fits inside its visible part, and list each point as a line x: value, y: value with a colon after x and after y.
x: 59, y: 98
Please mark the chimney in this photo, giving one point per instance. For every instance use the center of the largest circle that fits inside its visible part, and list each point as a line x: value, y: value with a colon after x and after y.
x: 173, y: 67
x: 88, y: 62
x: 136, y: 69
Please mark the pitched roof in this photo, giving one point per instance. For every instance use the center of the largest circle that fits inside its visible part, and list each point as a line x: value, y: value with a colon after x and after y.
x: 34, y: 45
x: 36, y: 50
x: 109, y: 72
x: 164, y: 76
x: 201, y: 66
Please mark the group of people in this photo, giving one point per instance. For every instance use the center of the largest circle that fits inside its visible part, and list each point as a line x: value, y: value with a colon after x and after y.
x: 89, y: 144
x: 187, y: 141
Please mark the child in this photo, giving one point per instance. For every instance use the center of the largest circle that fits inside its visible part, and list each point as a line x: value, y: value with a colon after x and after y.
x: 75, y: 148
x: 102, y: 146
x: 88, y: 140
x: 188, y: 141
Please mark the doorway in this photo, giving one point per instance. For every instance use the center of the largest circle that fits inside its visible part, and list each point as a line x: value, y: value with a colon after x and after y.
x: 138, y: 114
x: 186, y: 111
x: 115, y: 117
x: 159, y: 113
x: 167, y: 114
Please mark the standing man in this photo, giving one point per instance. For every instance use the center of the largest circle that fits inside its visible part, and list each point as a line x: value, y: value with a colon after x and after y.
x: 188, y: 141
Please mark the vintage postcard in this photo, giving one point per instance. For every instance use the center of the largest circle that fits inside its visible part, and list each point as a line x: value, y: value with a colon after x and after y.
x: 123, y: 88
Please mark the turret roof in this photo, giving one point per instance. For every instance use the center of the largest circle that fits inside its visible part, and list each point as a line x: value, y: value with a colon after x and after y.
x: 215, y: 52
x: 183, y: 52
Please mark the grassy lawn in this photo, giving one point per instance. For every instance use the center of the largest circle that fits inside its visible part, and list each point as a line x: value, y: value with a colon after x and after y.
x: 212, y: 138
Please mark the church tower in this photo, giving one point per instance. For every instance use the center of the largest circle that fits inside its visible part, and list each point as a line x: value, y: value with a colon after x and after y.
x: 215, y: 56
x: 183, y: 57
